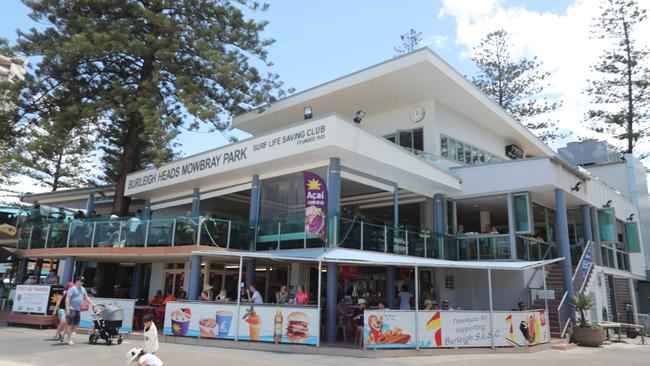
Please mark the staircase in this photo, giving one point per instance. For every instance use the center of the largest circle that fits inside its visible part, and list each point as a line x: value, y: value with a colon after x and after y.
x: 553, y: 282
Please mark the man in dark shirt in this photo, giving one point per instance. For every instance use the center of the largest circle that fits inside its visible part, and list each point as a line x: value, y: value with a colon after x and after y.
x: 357, y: 315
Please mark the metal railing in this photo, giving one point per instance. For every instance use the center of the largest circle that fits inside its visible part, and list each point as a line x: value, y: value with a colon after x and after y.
x: 579, y: 280
x: 531, y: 249
x: 483, y: 247
x: 613, y: 257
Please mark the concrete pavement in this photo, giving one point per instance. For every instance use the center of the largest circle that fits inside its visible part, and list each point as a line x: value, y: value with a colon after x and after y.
x: 23, y: 347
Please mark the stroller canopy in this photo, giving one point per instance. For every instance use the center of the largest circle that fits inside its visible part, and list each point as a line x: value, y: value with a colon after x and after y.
x: 112, y: 313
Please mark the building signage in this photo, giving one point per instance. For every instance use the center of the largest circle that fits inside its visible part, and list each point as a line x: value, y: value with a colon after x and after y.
x: 587, y: 260
x: 127, y: 306
x: 452, y: 329
x: 315, y: 205
x: 228, y: 157
x: 31, y: 299
x: 262, y: 323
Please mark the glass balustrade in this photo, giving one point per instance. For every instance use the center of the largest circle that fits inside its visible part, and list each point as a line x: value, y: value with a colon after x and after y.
x: 531, y: 249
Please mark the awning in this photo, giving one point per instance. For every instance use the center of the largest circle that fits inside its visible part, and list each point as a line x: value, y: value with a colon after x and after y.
x: 369, y: 258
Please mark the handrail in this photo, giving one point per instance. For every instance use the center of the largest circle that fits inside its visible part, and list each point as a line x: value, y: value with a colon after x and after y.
x: 588, y: 247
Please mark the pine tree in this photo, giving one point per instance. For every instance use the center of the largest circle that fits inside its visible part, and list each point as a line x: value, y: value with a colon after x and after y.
x: 145, y: 68
x: 410, y: 42
x: 514, y: 84
x: 10, y: 131
x: 621, y: 94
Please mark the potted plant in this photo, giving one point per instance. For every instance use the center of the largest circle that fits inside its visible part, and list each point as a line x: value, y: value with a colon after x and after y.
x: 586, y: 334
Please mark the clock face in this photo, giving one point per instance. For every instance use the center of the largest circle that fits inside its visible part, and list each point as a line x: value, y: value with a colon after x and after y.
x: 417, y: 114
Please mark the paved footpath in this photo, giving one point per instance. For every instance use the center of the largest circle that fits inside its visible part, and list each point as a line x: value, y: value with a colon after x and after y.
x: 23, y: 347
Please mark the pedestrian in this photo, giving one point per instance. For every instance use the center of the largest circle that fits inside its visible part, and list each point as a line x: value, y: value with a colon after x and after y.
x: 150, y: 334
x: 60, y: 313
x: 142, y: 358
x: 74, y: 299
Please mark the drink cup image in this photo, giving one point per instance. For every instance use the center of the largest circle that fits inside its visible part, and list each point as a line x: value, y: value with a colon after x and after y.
x: 207, y: 327
x: 253, y: 319
x: 224, y: 319
x: 181, y: 321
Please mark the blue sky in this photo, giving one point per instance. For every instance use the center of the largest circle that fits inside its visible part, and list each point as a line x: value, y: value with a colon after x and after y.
x: 317, y: 41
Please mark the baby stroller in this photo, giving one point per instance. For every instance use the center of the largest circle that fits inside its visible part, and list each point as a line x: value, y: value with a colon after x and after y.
x: 107, y: 324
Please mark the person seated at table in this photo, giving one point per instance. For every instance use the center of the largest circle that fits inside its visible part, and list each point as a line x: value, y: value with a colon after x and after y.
x: 182, y: 295
x: 157, y: 299
x: 428, y: 305
x: 223, y: 296
x: 170, y: 297
x: 446, y: 305
x: 282, y: 296
x: 254, y: 296
x: 206, y: 294
x: 301, y: 298
x: 357, y: 316
x: 521, y: 306
x: 381, y: 305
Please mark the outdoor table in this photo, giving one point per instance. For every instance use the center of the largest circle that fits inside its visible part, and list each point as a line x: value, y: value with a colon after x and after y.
x: 612, y: 325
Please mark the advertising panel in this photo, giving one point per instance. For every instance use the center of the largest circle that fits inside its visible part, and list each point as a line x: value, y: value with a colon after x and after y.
x: 263, y: 323
x: 31, y: 299
x: 127, y: 306
x: 453, y: 329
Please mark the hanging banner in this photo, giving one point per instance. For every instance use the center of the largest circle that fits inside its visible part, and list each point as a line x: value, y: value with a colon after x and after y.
x: 315, y: 205
x: 262, y: 323
x: 453, y: 329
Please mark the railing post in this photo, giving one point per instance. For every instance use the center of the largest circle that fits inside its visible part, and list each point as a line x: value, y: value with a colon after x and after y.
x: 361, y: 234
x: 612, y: 248
x: 425, y: 245
x: 92, y: 237
x: 385, y: 239
x: 304, y: 238
x: 478, y: 249
x: 173, y: 231
x: 146, y: 233
x: 198, y: 231
x: 47, y: 235
x: 279, y: 233
x: 67, y: 242
x: 228, y: 237
x: 29, y: 241
x: 441, y: 240
x: 119, y: 234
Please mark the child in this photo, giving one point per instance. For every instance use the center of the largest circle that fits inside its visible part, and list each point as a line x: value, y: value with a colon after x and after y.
x: 142, y: 358
x: 60, y: 313
x: 150, y: 334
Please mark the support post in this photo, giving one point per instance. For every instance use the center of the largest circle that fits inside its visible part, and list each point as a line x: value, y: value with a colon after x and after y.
x: 195, y: 277
x: 147, y: 210
x: 22, y: 272
x: 241, y: 264
x: 512, y: 235
x: 489, y: 271
x: 562, y: 238
x: 548, y: 326
x: 250, y: 272
x: 391, y: 276
x: 196, y: 203
x: 90, y: 203
x: 438, y: 214
x: 333, y: 201
x: 254, y: 212
x: 332, y: 288
x: 586, y: 224
x: 417, y: 306
x: 136, y: 285
x: 395, y: 247
x: 68, y: 270
x: 318, y: 297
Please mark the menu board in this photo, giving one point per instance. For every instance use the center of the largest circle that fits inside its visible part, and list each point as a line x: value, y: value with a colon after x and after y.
x: 31, y: 299
x: 452, y: 329
x: 262, y: 323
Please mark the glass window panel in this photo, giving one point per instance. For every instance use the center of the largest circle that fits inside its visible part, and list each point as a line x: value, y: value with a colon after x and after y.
x: 522, y: 219
x: 632, y: 237
x: 468, y: 154
x: 452, y: 149
x: 606, y: 225
x: 450, y: 217
x: 460, y: 155
x: 481, y: 156
x: 443, y: 147
x: 474, y: 156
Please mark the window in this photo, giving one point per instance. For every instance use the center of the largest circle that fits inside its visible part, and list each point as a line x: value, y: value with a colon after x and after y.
x: 449, y: 282
x: 606, y: 225
x: 521, y: 203
x: 410, y: 139
x: 464, y: 153
x: 632, y: 237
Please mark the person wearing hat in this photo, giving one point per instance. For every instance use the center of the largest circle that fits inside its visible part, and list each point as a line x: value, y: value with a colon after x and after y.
x: 74, y: 299
x: 142, y: 358
x: 428, y: 304
x: 60, y: 313
x: 357, y: 316
x: 206, y: 294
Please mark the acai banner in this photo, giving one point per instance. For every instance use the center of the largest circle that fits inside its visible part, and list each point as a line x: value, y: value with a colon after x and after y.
x: 315, y: 205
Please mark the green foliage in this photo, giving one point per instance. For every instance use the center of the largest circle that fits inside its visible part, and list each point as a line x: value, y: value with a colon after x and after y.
x: 514, y: 84
x: 145, y: 69
x: 410, y: 42
x: 582, y: 302
x: 621, y: 94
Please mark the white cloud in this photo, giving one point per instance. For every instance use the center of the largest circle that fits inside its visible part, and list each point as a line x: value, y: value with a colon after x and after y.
x: 435, y: 41
x: 561, y: 41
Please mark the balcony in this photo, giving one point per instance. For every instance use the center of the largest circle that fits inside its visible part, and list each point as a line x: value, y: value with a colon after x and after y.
x: 612, y: 257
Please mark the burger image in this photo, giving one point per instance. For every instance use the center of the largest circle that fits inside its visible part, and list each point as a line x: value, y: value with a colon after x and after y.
x: 297, y: 327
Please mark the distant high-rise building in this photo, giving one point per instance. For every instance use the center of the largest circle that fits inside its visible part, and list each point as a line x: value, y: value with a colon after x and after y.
x: 12, y: 68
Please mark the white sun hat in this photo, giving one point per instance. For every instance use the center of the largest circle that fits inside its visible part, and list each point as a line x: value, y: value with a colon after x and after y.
x: 132, y: 354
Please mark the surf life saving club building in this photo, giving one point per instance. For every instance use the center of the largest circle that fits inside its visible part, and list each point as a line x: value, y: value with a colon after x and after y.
x: 399, y: 178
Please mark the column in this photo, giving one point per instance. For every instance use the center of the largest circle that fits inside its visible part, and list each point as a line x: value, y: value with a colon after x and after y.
x: 22, y: 271
x: 196, y: 202
x: 68, y: 270
x: 562, y: 239
x: 438, y: 214
x: 37, y: 270
x: 396, y: 234
x: 391, y: 277
x: 147, y: 210
x: 254, y: 212
x: 136, y: 284
x: 250, y: 272
x: 333, y: 201
x: 331, y: 296
x: 195, y: 278
x: 586, y: 223
x: 512, y: 236
x: 90, y: 203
